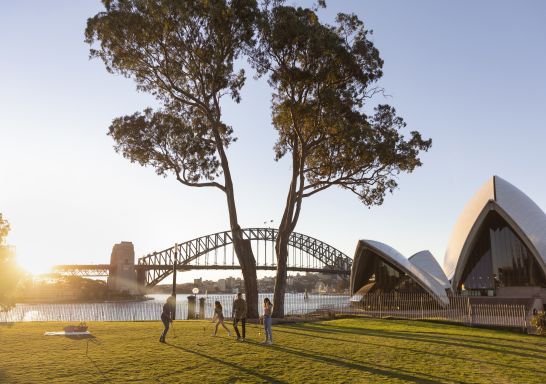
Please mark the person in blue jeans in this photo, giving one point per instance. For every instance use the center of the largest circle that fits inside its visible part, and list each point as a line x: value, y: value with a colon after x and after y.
x: 268, y: 321
x: 167, y: 317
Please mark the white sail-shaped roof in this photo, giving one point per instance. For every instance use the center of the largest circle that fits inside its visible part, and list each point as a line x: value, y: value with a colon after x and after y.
x: 521, y: 213
x: 425, y: 261
x: 395, y: 258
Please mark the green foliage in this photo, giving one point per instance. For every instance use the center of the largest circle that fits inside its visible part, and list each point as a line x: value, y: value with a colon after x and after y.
x: 182, y: 52
x: 4, y: 229
x: 539, y: 322
x: 168, y: 143
x: 9, y: 271
x: 348, y: 351
x: 323, y: 77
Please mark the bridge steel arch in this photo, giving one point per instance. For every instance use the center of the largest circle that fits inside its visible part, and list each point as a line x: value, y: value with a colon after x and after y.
x: 320, y: 257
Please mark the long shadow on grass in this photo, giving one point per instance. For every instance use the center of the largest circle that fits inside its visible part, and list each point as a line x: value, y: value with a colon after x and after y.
x: 229, y: 364
x: 7, y: 325
x: 367, y: 343
x: 93, y: 340
x: 452, y: 336
x: 390, y: 373
x: 413, y: 337
x: 509, y: 343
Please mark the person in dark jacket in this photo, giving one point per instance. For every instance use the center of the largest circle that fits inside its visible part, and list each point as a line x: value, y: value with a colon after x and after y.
x: 239, y: 314
x: 167, y: 317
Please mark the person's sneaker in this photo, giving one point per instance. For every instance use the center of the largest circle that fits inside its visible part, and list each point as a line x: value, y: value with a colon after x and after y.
x: 238, y: 339
x: 243, y: 339
x: 213, y: 334
x: 269, y: 342
x: 229, y: 334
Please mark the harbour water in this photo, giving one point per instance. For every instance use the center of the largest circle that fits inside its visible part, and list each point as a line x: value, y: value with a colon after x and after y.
x: 295, y: 304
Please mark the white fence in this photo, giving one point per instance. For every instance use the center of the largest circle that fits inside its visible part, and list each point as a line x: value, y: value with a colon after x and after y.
x: 424, y: 307
x: 408, y: 306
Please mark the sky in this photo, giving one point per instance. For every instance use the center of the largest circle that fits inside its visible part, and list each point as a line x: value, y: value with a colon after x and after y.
x: 468, y: 74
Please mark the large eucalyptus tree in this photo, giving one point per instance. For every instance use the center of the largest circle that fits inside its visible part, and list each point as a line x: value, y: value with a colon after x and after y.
x: 323, y: 77
x: 183, y: 53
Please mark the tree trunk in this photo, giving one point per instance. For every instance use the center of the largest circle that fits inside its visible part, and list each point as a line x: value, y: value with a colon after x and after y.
x: 242, y: 247
x: 245, y: 255
x: 288, y: 223
x: 281, y: 249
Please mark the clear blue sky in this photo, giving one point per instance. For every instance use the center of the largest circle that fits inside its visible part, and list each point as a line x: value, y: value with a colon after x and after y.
x: 469, y: 74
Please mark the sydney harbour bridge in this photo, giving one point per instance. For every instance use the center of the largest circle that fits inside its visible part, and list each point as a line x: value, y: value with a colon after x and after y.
x: 215, y: 251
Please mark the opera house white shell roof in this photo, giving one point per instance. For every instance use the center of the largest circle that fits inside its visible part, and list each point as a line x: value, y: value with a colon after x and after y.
x: 426, y: 278
x: 520, y: 212
x: 427, y: 263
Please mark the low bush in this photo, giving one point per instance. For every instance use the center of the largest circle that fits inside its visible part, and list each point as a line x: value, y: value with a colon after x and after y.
x: 539, y: 322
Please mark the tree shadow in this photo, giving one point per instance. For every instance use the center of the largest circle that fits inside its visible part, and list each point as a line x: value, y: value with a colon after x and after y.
x: 367, y: 343
x: 82, y: 337
x: 480, y: 337
x: 383, y: 371
x: 414, y: 337
x: 105, y: 378
x: 7, y: 324
x: 427, y: 324
x: 248, y: 371
x: 93, y: 340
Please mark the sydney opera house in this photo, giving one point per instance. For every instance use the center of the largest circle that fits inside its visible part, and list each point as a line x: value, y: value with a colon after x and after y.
x: 496, y: 253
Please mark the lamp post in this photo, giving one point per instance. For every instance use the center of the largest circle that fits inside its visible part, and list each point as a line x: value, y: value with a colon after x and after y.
x: 174, y: 277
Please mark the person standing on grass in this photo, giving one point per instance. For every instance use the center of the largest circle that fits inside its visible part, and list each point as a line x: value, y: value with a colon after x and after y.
x: 239, y: 313
x: 172, y: 306
x: 218, y: 314
x: 166, y: 318
x: 268, y: 321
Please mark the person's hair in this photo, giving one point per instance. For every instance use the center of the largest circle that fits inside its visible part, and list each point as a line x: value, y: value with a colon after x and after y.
x: 217, y: 304
x: 267, y: 301
x: 239, y: 294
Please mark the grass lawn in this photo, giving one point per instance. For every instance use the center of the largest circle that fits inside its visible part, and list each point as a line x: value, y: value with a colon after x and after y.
x: 338, y: 351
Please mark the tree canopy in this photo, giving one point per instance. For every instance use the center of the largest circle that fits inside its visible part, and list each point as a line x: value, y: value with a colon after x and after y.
x: 4, y: 229
x: 9, y: 271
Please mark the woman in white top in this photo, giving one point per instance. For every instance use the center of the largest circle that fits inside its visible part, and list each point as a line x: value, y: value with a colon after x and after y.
x: 268, y: 321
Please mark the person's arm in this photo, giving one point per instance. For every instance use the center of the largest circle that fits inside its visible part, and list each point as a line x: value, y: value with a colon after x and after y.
x: 244, y: 309
x: 233, y: 309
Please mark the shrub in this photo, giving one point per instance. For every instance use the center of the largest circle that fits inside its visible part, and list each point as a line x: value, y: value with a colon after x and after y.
x: 539, y: 322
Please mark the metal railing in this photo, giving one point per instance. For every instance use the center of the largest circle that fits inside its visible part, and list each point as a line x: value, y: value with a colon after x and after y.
x: 424, y: 307
x: 407, y: 306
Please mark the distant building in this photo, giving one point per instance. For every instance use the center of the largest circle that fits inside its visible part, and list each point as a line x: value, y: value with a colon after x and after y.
x: 230, y: 283
x: 122, y: 276
x: 222, y: 285
x: 198, y: 282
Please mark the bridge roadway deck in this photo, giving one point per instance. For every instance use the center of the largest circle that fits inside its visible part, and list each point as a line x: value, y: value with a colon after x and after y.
x: 104, y: 269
